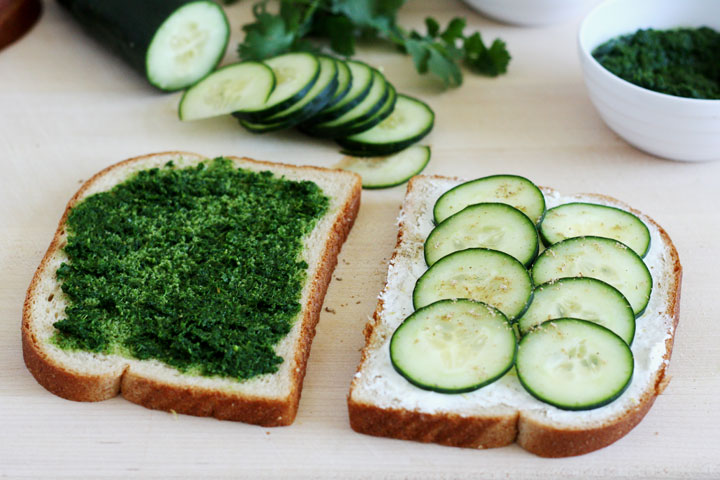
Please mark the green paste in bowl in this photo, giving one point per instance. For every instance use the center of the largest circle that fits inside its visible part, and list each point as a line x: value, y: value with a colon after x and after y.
x: 683, y: 62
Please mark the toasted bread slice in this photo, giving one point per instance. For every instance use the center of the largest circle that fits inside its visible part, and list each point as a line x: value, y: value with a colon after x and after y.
x: 268, y: 400
x: 383, y: 403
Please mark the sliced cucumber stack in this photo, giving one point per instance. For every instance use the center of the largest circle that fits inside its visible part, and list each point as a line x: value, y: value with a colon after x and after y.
x: 295, y: 75
x: 316, y: 98
x: 324, y: 97
x: 490, y: 225
x: 384, y: 172
x: 574, y: 364
x: 479, y: 274
x: 344, y: 83
x: 382, y: 113
x: 360, y: 82
x: 597, y: 257
x: 258, y: 127
x: 361, y: 112
x: 174, y: 43
x: 237, y: 87
x: 584, y: 219
x: 453, y: 346
x: 409, y: 122
x: 584, y: 298
x: 513, y: 190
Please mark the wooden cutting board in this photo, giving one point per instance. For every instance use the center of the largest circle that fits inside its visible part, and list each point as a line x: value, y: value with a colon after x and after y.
x: 68, y: 109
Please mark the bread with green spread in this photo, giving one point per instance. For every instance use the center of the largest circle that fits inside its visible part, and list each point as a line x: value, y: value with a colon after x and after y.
x: 383, y: 403
x: 163, y: 380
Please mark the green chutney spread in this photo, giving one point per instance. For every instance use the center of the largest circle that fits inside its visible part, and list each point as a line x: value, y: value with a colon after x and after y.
x: 198, y: 267
x: 684, y: 62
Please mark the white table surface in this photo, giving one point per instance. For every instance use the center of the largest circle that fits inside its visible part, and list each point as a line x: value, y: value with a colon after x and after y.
x: 68, y: 109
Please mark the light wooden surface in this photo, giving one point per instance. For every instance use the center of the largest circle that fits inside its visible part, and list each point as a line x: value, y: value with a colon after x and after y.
x: 68, y: 109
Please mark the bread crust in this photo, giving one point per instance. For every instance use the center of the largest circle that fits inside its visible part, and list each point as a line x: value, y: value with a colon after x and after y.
x: 193, y: 400
x: 445, y: 429
x: 542, y: 438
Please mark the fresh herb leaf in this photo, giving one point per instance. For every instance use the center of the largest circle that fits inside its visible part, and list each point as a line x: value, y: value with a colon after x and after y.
x: 376, y: 15
x: 433, y: 27
x: 442, y: 64
x: 490, y: 61
x: 437, y: 51
x: 454, y: 30
x: 340, y: 30
x: 270, y: 35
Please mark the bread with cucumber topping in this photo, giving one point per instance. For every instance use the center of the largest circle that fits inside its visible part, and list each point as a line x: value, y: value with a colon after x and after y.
x: 181, y: 373
x: 382, y: 402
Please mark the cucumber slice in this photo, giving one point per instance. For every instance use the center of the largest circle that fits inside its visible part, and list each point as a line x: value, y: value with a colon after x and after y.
x: 361, y: 112
x: 583, y: 219
x: 384, y: 172
x: 257, y: 127
x: 513, y: 190
x: 344, y: 82
x: 361, y: 81
x: 295, y: 75
x: 584, y: 298
x: 188, y: 45
x: 315, y: 99
x: 597, y: 257
x: 384, y: 112
x: 236, y: 87
x: 410, y: 121
x: 174, y: 43
x: 479, y: 274
x: 574, y: 364
x: 491, y: 225
x: 453, y: 346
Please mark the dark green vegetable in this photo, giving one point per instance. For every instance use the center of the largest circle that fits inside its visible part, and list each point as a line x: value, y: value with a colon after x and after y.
x: 173, y: 43
x: 197, y: 267
x: 437, y: 51
x: 684, y: 62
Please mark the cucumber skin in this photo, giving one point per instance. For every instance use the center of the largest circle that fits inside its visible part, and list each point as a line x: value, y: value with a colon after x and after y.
x: 182, y: 99
x: 401, y: 182
x: 603, y: 239
x: 602, y: 403
x: 512, y: 319
x: 469, y: 388
x: 259, y: 127
x: 318, y: 130
x: 379, y: 116
x: 548, y: 243
x: 361, y: 149
x: 291, y: 121
x: 324, y: 116
x: 127, y: 27
x: 310, y: 109
x: 539, y: 221
x: 259, y: 115
x: 338, y: 95
x: 527, y: 264
x: 358, y: 149
x: 353, y: 129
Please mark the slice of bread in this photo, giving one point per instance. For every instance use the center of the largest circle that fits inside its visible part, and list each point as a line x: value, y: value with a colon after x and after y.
x: 268, y: 400
x: 383, y: 403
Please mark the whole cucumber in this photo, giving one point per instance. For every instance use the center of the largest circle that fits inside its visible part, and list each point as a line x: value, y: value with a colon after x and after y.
x: 173, y: 43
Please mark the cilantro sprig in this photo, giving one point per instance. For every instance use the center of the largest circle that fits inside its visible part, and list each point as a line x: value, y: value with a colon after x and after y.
x: 438, y: 51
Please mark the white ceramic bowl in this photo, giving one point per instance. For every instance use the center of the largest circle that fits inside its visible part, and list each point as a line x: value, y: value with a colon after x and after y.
x: 664, y: 125
x: 531, y: 12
